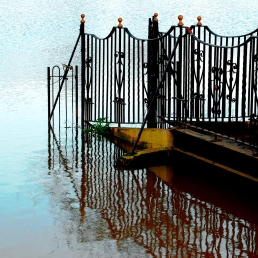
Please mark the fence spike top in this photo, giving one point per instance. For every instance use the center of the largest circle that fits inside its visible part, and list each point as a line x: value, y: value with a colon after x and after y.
x: 120, y: 25
x: 82, y: 20
x: 199, y: 18
x: 180, y: 18
x: 155, y: 17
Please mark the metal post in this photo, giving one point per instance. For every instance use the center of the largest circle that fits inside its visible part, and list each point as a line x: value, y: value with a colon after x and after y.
x: 82, y: 70
x: 76, y: 95
x: 48, y: 92
x: 179, y: 76
x: 153, y: 46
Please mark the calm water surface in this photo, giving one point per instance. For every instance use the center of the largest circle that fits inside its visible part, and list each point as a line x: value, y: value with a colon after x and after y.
x: 59, y: 202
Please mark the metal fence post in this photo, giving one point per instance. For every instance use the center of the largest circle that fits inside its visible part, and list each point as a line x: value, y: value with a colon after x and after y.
x: 179, y: 73
x: 153, y: 47
x: 76, y: 94
x: 82, y: 70
x: 48, y: 92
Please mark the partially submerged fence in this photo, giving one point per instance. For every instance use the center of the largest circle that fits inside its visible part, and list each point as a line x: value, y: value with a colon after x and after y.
x: 184, y: 76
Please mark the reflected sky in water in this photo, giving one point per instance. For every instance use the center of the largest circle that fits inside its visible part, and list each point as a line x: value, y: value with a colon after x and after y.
x: 59, y: 202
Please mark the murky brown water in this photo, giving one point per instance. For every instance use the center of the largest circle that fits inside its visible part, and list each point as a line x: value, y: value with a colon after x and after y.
x: 57, y: 201
x: 153, y: 212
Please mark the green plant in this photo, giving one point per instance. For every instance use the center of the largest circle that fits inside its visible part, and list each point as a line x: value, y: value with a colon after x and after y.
x: 100, y: 128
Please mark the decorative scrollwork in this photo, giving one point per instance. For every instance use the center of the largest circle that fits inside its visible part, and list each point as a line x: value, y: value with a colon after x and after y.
x: 119, y: 71
x: 217, y: 72
x: 215, y: 109
x: 88, y: 100
x: 230, y: 98
x: 199, y: 54
x: 119, y: 100
x: 145, y: 65
x: 88, y: 62
x: 255, y: 58
x: 198, y: 96
x: 233, y: 66
x: 120, y: 56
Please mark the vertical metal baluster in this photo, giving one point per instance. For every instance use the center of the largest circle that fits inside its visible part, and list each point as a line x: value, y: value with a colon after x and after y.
x: 76, y: 95
x: 99, y: 79
x: 169, y: 93
x: 95, y: 83
x: 251, y: 85
x: 90, y: 78
x: 225, y: 84
x: 59, y: 99
x: 115, y: 80
x: 134, y: 101
x: 124, y: 102
x: 48, y: 93
x: 244, y: 91
x: 107, y: 83
x: 82, y: 34
x: 103, y: 81
x: 129, y: 81
x: 192, y: 80
x: 72, y: 88
x: 138, y: 86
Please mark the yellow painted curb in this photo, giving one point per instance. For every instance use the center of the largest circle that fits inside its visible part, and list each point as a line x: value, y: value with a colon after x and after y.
x: 151, y: 138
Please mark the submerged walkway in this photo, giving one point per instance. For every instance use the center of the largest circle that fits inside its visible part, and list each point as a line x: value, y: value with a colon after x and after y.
x: 218, y: 151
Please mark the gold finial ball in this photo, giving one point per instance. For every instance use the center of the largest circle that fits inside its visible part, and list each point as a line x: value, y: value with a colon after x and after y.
x: 120, y: 25
x: 180, y: 18
x: 82, y: 16
x: 155, y: 17
x: 199, y: 18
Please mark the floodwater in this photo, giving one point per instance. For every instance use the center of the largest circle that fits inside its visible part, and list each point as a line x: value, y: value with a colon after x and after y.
x: 59, y: 201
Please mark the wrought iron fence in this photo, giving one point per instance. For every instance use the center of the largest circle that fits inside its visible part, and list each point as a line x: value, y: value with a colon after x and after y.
x: 210, y: 82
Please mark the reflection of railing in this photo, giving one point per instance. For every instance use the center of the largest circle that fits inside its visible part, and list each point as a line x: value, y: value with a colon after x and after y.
x: 138, y: 205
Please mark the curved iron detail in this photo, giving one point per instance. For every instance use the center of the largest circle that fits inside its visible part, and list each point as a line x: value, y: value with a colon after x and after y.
x: 120, y: 76
x: 88, y: 68
x: 119, y: 79
x: 255, y: 57
x: 198, y: 96
x: 255, y: 77
x: 233, y: 68
x: 199, y: 55
x: 217, y: 72
x: 217, y: 92
x: 88, y: 62
x: 119, y: 100
x: 145, y: 65
x: 216, y: 108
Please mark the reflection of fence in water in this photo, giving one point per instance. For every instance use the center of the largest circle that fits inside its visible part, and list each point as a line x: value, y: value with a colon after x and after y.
x: 138, y: 205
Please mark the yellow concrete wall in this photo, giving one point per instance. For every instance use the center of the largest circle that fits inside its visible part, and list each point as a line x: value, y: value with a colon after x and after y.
x: 151, y: 138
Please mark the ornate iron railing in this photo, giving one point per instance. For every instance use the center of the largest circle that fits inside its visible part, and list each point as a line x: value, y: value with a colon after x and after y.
x: 210, y: 83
